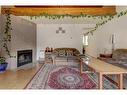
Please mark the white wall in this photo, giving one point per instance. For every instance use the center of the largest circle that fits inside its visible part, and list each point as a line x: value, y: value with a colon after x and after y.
x: 101, y: 40
x: 23, y: 38
x: 47, y: 36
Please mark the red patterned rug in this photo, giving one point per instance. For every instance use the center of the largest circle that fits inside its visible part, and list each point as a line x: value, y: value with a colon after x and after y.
x: 65, y: 77
x: 69, y: 78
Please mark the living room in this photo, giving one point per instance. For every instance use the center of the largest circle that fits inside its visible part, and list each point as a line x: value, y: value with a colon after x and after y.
x: 32, y: 35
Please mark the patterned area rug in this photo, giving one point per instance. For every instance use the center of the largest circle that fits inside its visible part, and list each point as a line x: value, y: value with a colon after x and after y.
x: 65, y: 77
x: 69, y: 78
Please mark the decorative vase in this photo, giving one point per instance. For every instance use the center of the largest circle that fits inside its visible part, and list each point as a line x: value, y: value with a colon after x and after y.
x: 3, y: 67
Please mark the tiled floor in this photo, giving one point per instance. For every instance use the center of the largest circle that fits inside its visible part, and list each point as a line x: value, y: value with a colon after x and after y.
x: 17, y: 79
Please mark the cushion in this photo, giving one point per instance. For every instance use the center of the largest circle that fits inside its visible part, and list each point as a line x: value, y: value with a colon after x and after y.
x: 72, y: 58
x: 120, y: 54
x: 61, y: 58
x: 122, y: 61
x: 123, y: 56
x: 69, y: 52
x: 116, y: 61
x: 56, y: 53
x: 65, y: 52
x: 62, y: 52
x: 76, y: 52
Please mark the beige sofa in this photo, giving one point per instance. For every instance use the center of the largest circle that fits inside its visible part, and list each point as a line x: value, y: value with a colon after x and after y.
x: 64, y: 54
x: 119, y: 58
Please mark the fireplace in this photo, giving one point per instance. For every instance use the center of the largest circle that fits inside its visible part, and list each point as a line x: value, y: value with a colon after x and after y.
x: 24, y: 57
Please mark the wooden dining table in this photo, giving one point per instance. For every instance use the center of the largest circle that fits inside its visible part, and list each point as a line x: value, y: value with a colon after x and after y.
x: 103, y: 68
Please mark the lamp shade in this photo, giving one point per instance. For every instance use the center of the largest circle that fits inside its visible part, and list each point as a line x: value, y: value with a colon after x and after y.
x: 85, y: 40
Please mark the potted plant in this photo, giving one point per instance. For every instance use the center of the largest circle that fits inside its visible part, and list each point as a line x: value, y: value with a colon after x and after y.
x: 3, y: 65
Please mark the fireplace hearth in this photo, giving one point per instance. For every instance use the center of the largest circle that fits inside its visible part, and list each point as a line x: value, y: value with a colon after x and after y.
x: 24, y: 57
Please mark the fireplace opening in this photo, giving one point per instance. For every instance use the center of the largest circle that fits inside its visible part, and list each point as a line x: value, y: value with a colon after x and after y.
x: 24, y: 57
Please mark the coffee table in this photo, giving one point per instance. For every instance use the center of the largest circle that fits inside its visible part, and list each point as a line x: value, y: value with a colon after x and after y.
x: 103, y: 68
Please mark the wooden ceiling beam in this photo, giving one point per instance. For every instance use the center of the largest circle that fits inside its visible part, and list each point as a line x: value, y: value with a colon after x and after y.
x: 59, y: 10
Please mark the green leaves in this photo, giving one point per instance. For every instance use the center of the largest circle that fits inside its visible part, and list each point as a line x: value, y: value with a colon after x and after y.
x: 7, y: 34
x: 2, y: 60
x: 54, y: 16
x: 108, y: 18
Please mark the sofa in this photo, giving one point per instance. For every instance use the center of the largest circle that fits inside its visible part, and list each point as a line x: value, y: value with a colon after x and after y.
x: 64, y: 54
x: 118, y: 58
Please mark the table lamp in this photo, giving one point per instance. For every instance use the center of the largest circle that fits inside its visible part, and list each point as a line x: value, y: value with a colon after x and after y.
x: 85, y: 43
x: 113, y: 41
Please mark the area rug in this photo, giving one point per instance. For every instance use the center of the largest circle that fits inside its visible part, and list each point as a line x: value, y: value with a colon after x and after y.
x: 65, y: 77
x: 69, y: 78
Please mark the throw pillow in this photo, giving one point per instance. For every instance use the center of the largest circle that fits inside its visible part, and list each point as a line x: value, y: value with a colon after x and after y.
x: 69, y: 52
x: 62, y: 53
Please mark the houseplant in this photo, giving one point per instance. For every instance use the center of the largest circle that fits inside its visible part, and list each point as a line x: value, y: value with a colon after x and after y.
x: 3, y: 65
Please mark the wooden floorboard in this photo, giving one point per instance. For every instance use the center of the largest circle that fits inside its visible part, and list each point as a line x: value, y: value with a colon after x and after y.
x: 17, y: 79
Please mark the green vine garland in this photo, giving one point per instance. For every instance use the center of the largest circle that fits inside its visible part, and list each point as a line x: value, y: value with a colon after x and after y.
x: 7, y: 33
x: 53, y: 16
x: 104, y: 20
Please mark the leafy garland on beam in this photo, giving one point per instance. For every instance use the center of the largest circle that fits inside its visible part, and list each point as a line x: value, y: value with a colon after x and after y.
x: 7, y: 33
x: 104, y: 19
x: 118, y: 15
x: 54, y: 16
